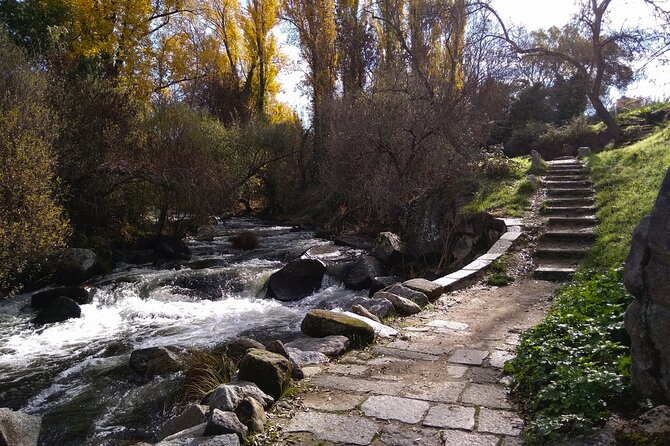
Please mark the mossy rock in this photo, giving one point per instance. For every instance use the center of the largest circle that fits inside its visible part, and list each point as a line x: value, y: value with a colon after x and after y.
x: 269, y: 371
x: 649, y: 429
x: 322, y: 323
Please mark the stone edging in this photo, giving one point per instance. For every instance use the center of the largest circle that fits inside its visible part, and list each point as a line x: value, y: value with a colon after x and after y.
x: 471, y: 272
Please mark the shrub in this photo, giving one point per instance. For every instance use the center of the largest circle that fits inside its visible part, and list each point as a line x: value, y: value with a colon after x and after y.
x: 204, y: 373
x: 33, y: 224
x: 564, y: 140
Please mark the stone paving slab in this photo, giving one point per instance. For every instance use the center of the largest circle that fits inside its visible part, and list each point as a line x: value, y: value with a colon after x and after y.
x: 394, y: 435
x: 440, y: 392
x: 468, y: 356
x: 498, y: 358
x: 332, y: 401
x: 488, y: 395
x: 499, y: 422
x: 333, y: 427
x: 456, y: 371
x: 347, y: 369
x: 424, y: 346
x: 357, y: 385
x: 393, y: 408
x: 452, y: 325
x: 451, y: 417
x: 482, y: 375
x: 460, y: 438
x: 405, y: 354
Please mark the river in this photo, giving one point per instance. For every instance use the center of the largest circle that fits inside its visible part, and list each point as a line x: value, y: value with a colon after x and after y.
x: 75, y: 373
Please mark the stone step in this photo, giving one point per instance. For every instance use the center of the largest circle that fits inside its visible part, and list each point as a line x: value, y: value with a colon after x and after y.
x: 554, y: 274
x: 564, y: 202
x: 573, y: 193
x: 566, y: 163
x: 568, y: 184
x: 561, y: 253
x: 582, y: 221
x: 577, y: 235
x: 568, y: 210
x: 566, y: 177
x: 567, y: 171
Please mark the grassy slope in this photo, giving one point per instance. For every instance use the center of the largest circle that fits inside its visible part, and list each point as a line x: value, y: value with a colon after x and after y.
x: 573, y: 367
x: 627, y: 181
x: 503, y: 197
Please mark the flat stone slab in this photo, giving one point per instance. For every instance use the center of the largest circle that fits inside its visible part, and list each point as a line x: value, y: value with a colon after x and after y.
x: 487, y: 395
x: 405, y: 354
x: 482, y: 375
x: 394, y: 408
x: 428, y: 346
x: 460, y: 438
x: 329, y: 345
x: 386, y: 360
x: 456, y: 371
x: 347, y: 369
x: 461, y: 274
x: 440, y: 392
x: 333, y: 427
x: 332, y: 401
x: 430, y: 289
x: 511, y: 235
x: 357, y: 385
x: 469, y: 357
x: 394, y: 435
x: 381, y: 330
x: 500, y: 247
x: 491, y: 256
x: 445, y: 282
x: 451, y: 325
x: 498, y: 358
x: 499, y: 422
x: 451, y: 417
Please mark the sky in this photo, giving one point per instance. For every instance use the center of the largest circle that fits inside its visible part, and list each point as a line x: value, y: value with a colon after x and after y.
x: 533, y: 14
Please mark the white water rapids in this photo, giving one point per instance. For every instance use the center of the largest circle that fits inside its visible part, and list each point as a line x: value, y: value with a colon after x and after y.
x: 75, y: 373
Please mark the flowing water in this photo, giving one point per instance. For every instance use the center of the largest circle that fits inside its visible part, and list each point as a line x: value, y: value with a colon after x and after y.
x: 75, y: 373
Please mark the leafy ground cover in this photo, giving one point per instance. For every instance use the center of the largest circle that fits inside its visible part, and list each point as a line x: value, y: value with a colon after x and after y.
x: 572, y: 369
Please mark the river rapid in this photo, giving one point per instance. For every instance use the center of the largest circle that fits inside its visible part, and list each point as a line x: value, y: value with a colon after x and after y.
x: 75, y: 374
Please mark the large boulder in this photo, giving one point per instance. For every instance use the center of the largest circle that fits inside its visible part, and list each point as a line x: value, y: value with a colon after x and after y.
x: 59, y: 309
x: 359, y: 275
x: 154, y: 361
x: 269, y: 371
x: 328, y: 345
x: 320, y: 323
x: 251, y: 414
x: 649, y: 429
x: 402, y: 306
x: 236, y: 348
x: 221, y: 423
x: 172, y: 249
x: 297, y: 280
x: 78, y: 294
x: 18, y: 429
x: 647, y: 277
x: 309, y: 357
x: 193, y: 415
x: 380, y: 307
x: 279, y: 348
x: 389, y: 249
x: 227, y: 397
x: 401, y: 290
x: 381, y: 282
x: 76, y: 265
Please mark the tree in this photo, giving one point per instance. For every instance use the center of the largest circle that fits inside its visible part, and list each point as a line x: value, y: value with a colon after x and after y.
x: 314, y: 22
x: 32, y: 223
x: 599, y: 55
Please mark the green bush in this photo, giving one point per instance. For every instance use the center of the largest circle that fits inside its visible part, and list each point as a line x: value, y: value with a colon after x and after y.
x: 571, y: 367
x: 564, y: 140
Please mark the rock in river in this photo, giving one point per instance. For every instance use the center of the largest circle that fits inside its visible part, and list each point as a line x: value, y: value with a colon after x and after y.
x: 227, y: 397
x: 154, y: 361
x: 298, y: 279
x: 18, y: 429
x: 44, y: 298
x: 59, y: 309
x: 319, y: 323
x: 360, y: 274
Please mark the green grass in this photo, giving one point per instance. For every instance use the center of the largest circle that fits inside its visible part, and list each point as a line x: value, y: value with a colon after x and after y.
x: 506, y: 196
x: 627, y: 181
x: 573, y: 368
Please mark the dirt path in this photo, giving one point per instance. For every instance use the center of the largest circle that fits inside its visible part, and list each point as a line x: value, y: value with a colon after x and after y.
x: 439, y: 383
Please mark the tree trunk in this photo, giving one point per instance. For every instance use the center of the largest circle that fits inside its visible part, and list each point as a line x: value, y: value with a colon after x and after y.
x: 613, y: 129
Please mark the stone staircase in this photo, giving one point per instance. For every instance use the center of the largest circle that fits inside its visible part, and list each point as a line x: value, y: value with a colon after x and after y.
x: 569, y: 213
